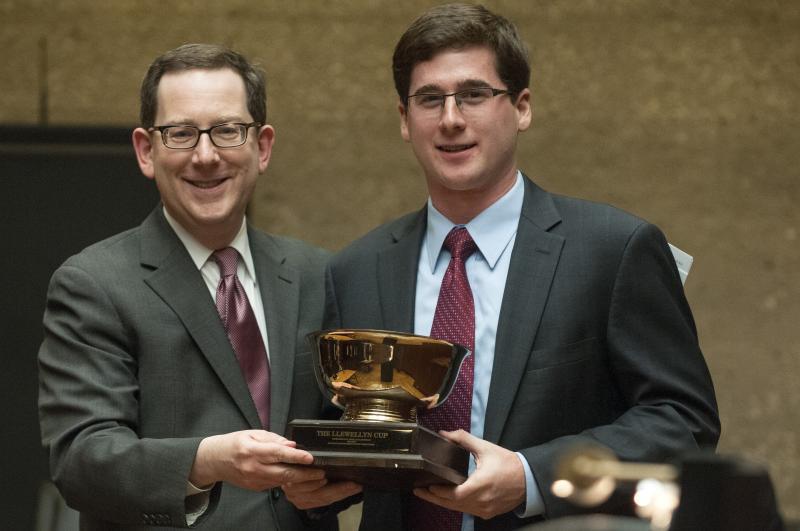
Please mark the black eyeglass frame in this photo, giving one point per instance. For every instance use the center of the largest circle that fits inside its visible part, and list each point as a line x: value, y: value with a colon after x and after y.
x: 163, y: 128
x: 495, y: 92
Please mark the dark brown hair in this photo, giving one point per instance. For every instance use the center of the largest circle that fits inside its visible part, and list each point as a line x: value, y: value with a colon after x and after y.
x: 202, y: 56
x: 456, y: 26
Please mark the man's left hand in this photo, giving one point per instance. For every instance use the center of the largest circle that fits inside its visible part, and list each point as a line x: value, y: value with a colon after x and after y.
x: 497, y: 486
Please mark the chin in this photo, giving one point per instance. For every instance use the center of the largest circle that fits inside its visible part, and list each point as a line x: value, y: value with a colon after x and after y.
x: 460, y: 184
x: 210, y: 218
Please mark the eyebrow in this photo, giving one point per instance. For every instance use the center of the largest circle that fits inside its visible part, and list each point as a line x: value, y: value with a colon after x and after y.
x: 220, y: 120
x: 461, y: 85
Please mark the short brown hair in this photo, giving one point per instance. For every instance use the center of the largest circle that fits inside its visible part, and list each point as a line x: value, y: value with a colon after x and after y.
x: 202, y: 56
x: 455, y: 26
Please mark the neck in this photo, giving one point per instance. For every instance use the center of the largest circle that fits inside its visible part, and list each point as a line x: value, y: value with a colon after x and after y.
x: 215, y: 241
x: 212, y: 237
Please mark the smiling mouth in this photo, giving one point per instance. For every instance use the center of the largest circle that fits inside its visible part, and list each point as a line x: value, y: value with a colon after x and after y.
x: 455, y: 148
x: 207, y: 184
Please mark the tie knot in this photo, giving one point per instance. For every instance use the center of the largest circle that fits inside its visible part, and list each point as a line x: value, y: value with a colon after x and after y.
x: 460, y: 243
x: 227, y: 259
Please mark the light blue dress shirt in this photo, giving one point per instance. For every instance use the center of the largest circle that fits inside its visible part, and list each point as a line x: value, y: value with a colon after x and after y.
x: 494, y: 231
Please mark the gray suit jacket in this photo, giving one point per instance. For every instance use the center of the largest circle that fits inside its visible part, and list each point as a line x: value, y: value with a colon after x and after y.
x: 595, y: 339
x: 136, y: 368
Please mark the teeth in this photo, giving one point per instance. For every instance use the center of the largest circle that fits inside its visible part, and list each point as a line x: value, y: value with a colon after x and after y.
x: 454, y: 148
x: 206, y: 184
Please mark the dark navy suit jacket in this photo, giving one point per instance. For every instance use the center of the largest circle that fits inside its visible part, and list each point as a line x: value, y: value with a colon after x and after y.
x: 595, y: 339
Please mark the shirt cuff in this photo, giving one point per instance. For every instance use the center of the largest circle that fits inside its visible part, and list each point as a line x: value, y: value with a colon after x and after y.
x: 196, y: 502
x: 534, y: 504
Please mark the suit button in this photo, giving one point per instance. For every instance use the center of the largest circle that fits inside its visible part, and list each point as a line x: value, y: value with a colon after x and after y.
x: 276, y: 493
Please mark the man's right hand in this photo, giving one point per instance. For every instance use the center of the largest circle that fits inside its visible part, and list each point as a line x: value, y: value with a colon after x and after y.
x: 251, y: 459
x: 318, y: 493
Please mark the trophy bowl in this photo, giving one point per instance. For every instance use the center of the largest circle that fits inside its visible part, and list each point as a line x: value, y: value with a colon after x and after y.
x: 376, y: 375
x: 381, y: 379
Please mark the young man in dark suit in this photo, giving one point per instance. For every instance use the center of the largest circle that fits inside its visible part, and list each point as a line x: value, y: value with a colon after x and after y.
x: 581, y: 331
x: 174, y: 353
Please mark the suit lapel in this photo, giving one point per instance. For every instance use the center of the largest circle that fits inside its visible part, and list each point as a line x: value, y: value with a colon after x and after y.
x: 533, y: 264
x: 279, y: 285
x: 397, y: 274
x: 179, y: 284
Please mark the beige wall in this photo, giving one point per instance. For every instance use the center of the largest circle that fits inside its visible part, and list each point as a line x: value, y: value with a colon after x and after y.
x: 684, y: 112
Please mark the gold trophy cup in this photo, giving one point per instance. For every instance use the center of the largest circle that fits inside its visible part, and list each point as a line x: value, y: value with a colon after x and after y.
x: 382, y: 379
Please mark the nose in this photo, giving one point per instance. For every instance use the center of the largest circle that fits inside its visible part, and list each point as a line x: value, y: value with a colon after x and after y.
x: 205, y: 152
x: 451, y: 117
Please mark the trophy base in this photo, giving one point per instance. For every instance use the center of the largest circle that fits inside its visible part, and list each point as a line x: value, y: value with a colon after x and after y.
x: 383, y: 455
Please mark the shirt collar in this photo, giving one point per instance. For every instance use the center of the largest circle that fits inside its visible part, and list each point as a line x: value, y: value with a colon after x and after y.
x: 492, y: 229
x: 200, y: 253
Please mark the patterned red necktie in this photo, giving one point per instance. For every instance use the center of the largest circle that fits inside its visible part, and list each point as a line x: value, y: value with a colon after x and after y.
x: 242, y: 329
x: 454, y: 321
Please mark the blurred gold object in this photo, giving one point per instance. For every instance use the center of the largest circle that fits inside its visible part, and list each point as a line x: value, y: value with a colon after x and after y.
x: 587, y: 475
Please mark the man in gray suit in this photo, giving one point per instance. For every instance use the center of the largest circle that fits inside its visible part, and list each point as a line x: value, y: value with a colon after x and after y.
x: 149, y: 418
x: 581, y: 329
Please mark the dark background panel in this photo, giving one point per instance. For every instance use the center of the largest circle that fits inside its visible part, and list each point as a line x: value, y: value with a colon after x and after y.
x: 63, y: 189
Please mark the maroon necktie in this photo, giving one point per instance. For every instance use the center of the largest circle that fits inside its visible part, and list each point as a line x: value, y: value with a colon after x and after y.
x: 240, y: 325
x: 454, y: 321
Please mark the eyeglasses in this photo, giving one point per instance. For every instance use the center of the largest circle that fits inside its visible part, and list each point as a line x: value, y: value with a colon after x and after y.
x: 187, y: 136
x: 468, y: 100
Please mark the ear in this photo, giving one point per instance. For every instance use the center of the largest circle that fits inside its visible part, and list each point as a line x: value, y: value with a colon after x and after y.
x: 143, y: 146
x: 266, y: 139
x: 524, y: 108
x: 403, y: 121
